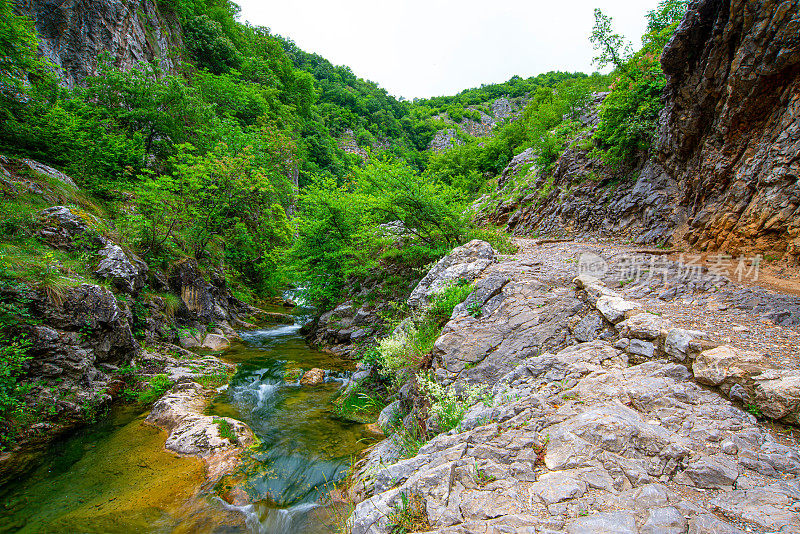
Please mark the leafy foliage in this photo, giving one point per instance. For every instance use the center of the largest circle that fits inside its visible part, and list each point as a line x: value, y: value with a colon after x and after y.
x: 468, y: 166
x: 449, y: 405
x: 157, y: 386
x: 14, y: 347
x: 407, y: 347
x: 342, y: 229
x: 629, y: 114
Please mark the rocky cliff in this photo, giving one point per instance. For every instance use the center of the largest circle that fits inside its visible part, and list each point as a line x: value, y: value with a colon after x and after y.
x: 74, y: 33
x: 730, y: 132
x: 488, y: 117
x: 722, y: 174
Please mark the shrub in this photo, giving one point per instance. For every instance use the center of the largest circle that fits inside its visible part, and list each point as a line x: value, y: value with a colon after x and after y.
x: 407, y: 347
x: 409, y: 515
x: 226, y: 430
x: 395, y: 350
x: 449, y: 405
x: 443, y: 303
x: 629, y: 114
x: 497, y: 237
x: 14, y: 348
x: 157, y: 386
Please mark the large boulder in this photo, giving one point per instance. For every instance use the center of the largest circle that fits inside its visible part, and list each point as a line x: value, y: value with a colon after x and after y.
x: 216, y: 342
x: 65, y: 227
x: 219, y: 441
x: 199, y: 297
x: 752, y: 378
x: 466, y: 262
x: 125, y: 270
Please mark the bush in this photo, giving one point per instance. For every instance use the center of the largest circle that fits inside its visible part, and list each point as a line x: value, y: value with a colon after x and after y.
x: 407, y: 347
x: 341, y: 232
x: 443, y: 303
x: 449, y: 405
x: 629, y: 115
x: 497, y: 237
x: 409, y: 515
x: 207, y: 42
x: 14, y: 346
x: 157, y: 386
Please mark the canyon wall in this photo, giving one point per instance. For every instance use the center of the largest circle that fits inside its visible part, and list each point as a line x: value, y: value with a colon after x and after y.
x: 722, y: 172
x: 73, y: 34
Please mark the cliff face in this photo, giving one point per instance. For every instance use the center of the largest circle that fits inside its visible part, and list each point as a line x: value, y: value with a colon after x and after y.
x: 73, y: 33
x: 723, y: 171
x: 730, y: 132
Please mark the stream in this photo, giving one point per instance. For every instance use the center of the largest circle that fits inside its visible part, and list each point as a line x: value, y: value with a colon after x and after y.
x: 115, y: 476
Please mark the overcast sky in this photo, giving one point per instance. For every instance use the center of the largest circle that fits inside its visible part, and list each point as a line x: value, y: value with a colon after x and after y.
x: 423, y: 48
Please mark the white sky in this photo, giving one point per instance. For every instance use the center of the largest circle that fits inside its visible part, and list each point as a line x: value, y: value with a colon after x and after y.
x: 423, y: 48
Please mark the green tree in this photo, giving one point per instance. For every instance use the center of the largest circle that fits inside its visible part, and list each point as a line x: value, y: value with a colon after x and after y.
x: 429, y: 209
x: 629, y: 115
x: 210, y: 46
x: 612, y: 47
x: 326, y: 250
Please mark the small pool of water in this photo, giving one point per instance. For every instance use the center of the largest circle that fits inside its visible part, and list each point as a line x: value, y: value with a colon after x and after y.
x: 113, y: 477
x: 305, y: 448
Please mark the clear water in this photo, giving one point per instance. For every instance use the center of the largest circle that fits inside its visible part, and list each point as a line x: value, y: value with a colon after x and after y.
x: 305, y: 448
x: 117, y: 477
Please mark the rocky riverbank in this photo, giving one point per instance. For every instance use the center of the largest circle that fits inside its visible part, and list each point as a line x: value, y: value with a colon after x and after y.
x: 98, y: 323
x: 603, y: 415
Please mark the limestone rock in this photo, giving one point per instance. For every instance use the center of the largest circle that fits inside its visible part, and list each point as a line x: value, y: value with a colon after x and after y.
x: 777, y: 394
x: 713, y: 473
x: 711, y: 524
x: 677, y: 340
x: 603, y: 455
x: 201, y: 299
x: 638, y: 347
x: 180, y: 412
x: 313, y: 377
x: 621, y: 522
x: 589, y: 327
x: 666, y: 520
x: 389, y: 414
x: 216, y: 342
x: 465, y: 262
x: 615, y: 309
x: 727, y: 364
x: 126, y: 271
x: 74, y: 35
x: 644, y: 326
x: 62, y: 226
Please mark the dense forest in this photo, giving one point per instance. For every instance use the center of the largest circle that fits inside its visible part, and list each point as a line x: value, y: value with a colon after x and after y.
x: 238, y: 160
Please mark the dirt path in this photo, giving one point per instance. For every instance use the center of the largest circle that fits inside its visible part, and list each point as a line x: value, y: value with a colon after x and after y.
x: 750, y: 314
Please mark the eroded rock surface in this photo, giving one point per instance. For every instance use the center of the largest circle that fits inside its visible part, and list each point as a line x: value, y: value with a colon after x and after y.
x: 180, y: 412
x: 466, y: 262
x: 73, y: 34
x: 595, y: 424
x: 578, y: 442
x: 722, y: 170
